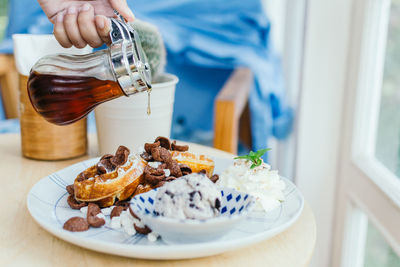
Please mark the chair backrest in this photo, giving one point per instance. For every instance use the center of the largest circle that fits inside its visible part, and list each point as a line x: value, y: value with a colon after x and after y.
x: 19, y: 19
x: 8, y: 87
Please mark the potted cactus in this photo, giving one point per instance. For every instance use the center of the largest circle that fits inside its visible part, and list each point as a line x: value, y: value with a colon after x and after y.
x: 153, y: 46
x: 125, y: 120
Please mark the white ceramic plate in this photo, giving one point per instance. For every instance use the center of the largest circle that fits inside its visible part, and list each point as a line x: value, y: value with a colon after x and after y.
x: 47, y: 203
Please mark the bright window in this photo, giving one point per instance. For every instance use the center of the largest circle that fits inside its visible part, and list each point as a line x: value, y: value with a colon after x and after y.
x: 3, y: 17
x: 378, y: 252
x: 387, y: 148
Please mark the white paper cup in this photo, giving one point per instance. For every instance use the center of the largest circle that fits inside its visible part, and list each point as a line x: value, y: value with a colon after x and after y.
x: 124, y: 121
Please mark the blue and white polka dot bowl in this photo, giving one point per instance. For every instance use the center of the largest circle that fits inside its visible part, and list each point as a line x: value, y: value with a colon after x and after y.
x: 235, y: 207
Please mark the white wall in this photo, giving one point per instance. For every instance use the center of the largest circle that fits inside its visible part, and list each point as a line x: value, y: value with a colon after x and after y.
x: 320, y: 115
x: 287, y: 32
x: 276, y: 10
x: 312, y: 36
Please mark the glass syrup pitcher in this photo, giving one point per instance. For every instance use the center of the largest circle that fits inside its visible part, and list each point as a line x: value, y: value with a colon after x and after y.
x: 65, y: 88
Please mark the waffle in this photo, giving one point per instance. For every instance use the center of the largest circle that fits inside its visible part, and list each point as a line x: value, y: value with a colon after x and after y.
x: 105, y: 189
x: 195, y: 162
x: 123, y: 175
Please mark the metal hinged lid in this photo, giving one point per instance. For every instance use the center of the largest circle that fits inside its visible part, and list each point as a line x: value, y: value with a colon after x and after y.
x: 128, y: 60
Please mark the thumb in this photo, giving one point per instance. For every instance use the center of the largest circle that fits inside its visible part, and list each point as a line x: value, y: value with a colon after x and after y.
x: 122, y: 7
x: 103, y: 27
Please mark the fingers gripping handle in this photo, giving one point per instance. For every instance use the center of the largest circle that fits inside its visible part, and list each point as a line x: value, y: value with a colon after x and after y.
x: 128, y: 60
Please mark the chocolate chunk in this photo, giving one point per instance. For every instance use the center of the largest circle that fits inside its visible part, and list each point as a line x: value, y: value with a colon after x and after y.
x: 161, y: 154
x: 203, y: 172
x: 185, y: 173
x: 164, y: 142
x: 116, y: 211
x: 121, y: 156
x: 95, y: 221
x: 74, y: 204
x: 70, y: 189
x: 155, y: 153
x: 76, y: 224
x: 175, y: 147
x: 170, y: 178
x: 101, y: 168
x: 214, y: 178
x: 153, y: 179
x: 175, y: 169
x: 93, y: 209
x: 108, y: 162
x: 123, y: 203
x: 122, y: 150
x: 153, y: 171
x: 169, y: 193
x: 139, y: 190
x: 104, y: 166
x: 165, y: 180
x: 191, y: 194
x: 107, y: 156
x: 148, y: 146
x: 81, y: 177
x: 185, y: 169
x: 162, y: 166
x: 142, y: 230
x: 217, y: 204
x: 161, y: 183
x: 133, y: 214
x: 156, y: 172
x: 146, y: 156
x: 153, y: 176
x: 165, y: 155
x: 92, y: 218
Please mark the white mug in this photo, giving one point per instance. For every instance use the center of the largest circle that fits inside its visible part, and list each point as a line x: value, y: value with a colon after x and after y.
x: 124, y: 121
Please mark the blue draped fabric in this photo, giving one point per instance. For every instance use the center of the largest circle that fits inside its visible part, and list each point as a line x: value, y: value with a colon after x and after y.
x: 226, y: 34
x: 25, y: 16
x: 205, y: 40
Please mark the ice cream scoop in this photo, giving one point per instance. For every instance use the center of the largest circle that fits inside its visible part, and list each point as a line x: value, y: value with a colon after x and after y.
x: 192, y: 196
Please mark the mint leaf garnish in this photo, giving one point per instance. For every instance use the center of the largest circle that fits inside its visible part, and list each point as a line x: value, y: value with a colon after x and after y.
x: 254, y: 157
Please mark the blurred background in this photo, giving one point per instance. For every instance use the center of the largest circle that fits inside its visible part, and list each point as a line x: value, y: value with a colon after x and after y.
x: 326, y: 88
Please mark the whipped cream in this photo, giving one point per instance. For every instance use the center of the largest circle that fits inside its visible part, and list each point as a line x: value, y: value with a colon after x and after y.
x: 101, y: 216
x: 126, y: 222
x: 167, y: 172
x: 115, y: 222
x: 154, y: 164
x: 140, y: 149
x: 261, y: 182
x: 107, y: 211
x: 84, y: 210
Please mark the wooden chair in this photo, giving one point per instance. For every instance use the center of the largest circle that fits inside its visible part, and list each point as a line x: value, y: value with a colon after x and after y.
x: 9, y: 85
x: 231, y: 118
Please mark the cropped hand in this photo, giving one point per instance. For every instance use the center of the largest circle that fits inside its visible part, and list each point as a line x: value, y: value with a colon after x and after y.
x: 82, y: 22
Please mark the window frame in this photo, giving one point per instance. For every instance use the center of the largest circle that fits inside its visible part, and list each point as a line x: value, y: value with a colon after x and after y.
x: 365, y: 185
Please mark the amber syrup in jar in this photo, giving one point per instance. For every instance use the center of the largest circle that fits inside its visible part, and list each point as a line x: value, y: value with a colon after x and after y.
x: 65, y: 99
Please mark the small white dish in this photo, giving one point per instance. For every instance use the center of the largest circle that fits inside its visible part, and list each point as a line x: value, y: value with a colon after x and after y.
x: 235, y: 207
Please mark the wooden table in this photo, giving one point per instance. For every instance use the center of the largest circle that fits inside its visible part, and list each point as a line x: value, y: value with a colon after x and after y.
x: 24, y: 243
